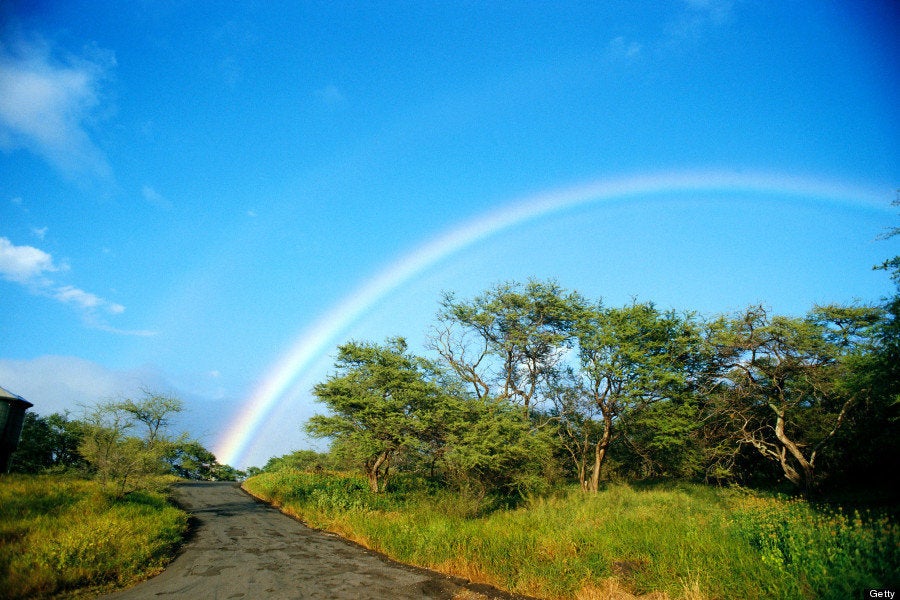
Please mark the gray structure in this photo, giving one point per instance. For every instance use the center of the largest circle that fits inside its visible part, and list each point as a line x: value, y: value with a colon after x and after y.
x: 12, y: 416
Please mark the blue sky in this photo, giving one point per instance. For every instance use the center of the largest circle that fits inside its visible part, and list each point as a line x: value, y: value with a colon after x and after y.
x: 188, y: 189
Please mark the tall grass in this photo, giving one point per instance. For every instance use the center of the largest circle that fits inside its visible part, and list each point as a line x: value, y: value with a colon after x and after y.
x: 668, y: 541
x: 61, y: 534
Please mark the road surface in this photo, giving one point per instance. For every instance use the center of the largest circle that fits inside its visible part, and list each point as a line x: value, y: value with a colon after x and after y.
x: 243, y: 548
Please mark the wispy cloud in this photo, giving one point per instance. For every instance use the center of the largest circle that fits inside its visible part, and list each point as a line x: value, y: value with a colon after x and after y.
x: 32, y: 268
x: 39, y: 232
x: 46, y: 103
x: 621, y: 49
x: 698, y: 17
x: 24, y: 264
x: 155, y: 198
x: 330, y: 95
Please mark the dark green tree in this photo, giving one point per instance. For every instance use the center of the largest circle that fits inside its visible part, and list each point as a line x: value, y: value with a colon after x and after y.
x: 784, y: 390
x: 379, y: 401
x: 48, y: 443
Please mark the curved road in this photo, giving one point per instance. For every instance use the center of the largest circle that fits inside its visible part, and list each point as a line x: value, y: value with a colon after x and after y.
x: 243, y: 548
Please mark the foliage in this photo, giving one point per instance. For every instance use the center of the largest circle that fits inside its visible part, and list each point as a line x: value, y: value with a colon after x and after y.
x: 379, y: 398
x: 60, y: 534
x: 752, y: 397
x: 48, y: 443
x: 679, y: 540
x: 782, y: 386
x: 189, y: 459
x: 107, y: 442
x: 504, y: 343
x: 825, y: 552
x: 492, y: 449
x: 637, y: 364
x: 120, y: 461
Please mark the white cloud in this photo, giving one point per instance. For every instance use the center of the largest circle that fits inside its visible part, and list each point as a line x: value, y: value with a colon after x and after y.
x: 39, y: 232
x: 61, y: 383
x: 56, y: 384
x: 28, y: 266
x: 45, y: 104
x: 72, y: 295
x: 23, y: 264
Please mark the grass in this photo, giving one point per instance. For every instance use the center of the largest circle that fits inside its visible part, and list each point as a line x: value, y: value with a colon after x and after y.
x: 62, y: 535
x: 664, y: 541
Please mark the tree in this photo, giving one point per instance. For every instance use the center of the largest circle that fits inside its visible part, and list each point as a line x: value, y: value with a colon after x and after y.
x: 118, y: 459
x: 782, y: 389
x: 490, y: 449
x: 505, y: 343
x: 154, y: 411
x: 379, y: 399
x: 631, y: 359
x: 47, y: 443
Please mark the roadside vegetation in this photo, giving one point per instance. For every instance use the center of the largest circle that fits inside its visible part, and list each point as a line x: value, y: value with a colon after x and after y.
x: 663, y: 540
x: 87, y: 507
x: 556, y: 446
x: 61, y: 534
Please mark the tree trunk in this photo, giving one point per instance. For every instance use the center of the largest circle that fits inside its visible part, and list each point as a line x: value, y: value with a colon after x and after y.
x: 373, y: 471
x: 600, y: 454
x: 803, y: 478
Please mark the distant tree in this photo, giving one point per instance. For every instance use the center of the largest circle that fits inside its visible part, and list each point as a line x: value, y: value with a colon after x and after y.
x: 48, y: 443
x: 301, y: 460
x: 154, y: 410
x: 379, y: 399
x: 119, y: 460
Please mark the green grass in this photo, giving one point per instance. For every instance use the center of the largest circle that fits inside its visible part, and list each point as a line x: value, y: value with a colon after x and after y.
x: 59, y: 535
x: 670, y: 541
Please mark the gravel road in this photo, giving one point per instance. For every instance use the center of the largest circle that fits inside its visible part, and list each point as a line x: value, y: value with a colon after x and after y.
x: 243, y: 548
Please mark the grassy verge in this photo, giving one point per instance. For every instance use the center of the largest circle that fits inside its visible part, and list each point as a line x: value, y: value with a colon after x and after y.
x: 669, y: 541
x: 59, y: 535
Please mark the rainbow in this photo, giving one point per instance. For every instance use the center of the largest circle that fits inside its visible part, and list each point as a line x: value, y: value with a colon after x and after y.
x: 313, y: 344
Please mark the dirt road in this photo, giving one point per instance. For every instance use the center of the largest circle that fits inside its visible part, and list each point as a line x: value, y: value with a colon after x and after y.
x: 242, y: 548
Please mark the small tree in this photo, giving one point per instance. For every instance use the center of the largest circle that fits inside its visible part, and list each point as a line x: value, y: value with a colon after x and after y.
x: 118, y: 459
x: 155, y: 411
x: 378, y: 398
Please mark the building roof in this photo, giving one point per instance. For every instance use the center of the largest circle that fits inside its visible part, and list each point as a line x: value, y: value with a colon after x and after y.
x: 9, y: 396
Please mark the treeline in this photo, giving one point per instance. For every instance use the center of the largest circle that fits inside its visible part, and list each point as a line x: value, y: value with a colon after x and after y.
x: 125, y: 444
x: 532, y: 385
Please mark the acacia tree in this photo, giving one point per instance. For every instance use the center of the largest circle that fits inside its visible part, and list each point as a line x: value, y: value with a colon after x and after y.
x: 379, y: 400
x: 505, y: 342
x: 155, y: 411
x: 631, y: 358
x: 783, y: 389
x: 119, y: 457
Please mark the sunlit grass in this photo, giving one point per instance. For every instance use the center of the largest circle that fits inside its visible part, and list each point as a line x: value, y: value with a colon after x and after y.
x: 668, y: 541
x: 59, y: 534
